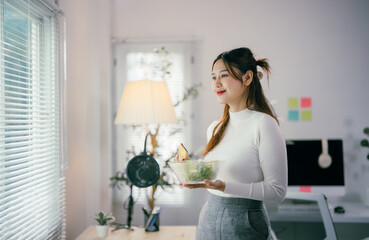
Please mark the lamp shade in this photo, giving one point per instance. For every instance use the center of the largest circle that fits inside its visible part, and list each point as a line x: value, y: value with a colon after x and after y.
x: 145, y: 102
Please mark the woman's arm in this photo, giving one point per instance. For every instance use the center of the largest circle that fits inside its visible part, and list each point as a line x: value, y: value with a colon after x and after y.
x: 273, y: 162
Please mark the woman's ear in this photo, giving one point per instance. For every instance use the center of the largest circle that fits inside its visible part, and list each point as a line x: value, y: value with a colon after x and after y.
x: 260, y: 75
x: 247, y: 78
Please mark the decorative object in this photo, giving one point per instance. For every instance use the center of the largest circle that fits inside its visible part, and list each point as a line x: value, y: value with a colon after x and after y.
x: 161, y: 71
x: 300, y: 109
x: 144, y: 102
x: 120, y: 178
x: 103, y: 223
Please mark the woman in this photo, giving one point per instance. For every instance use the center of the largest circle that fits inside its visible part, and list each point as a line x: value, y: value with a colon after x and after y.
x: 247, y: 139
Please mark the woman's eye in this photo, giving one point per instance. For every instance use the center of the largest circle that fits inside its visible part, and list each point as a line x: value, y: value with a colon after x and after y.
x: 224, y: 75
x: 213, y: 78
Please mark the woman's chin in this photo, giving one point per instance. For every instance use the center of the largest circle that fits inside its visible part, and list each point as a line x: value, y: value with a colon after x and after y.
x: 221, y: 100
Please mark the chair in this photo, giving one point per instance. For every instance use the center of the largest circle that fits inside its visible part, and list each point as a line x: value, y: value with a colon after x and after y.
x: 323, y: 207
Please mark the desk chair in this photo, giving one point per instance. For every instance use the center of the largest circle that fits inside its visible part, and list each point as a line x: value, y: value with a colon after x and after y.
x: 323, y: 207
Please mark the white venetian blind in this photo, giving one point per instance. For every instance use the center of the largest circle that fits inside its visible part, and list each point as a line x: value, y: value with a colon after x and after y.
x: 32, y: 184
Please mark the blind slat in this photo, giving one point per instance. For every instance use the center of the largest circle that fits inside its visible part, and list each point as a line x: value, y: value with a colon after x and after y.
x: 13, y: 164
x: 32, y: 185
x: 25, y: 133
x: 18, y: 192
x: 31, y: 90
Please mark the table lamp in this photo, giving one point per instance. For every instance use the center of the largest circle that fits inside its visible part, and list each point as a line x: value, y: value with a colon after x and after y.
x: 144, y: 102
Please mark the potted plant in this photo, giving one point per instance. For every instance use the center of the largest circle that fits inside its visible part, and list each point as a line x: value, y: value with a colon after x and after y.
x: 102, y: 223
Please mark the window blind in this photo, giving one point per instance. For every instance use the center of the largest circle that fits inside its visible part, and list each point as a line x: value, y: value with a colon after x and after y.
x: 32, y: 184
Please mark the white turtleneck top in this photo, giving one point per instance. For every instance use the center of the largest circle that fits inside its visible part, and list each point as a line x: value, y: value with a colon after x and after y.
x: 253, y: 155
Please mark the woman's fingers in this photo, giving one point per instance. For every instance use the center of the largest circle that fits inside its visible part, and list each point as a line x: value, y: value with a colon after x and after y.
x: 217, y: 185
x: 176, y: 158
x: 191, y: 186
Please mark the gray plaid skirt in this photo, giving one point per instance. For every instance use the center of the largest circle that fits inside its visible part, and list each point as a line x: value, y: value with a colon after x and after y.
x: 223, y: 218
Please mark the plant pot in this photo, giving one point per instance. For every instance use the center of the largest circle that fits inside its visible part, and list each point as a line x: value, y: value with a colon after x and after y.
x: 102, y: 231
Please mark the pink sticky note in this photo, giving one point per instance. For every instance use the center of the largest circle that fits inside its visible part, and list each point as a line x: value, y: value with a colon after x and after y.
x: 305, y: 189
x: 306, y: 102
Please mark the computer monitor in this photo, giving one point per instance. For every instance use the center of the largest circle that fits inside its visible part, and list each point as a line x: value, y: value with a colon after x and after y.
x: 303, y: 163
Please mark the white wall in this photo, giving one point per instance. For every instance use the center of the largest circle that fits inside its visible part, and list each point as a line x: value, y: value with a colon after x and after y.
x: 317, y: 49
x: 88, y: 109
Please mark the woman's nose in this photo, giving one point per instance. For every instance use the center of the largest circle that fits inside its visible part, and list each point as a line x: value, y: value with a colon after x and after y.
x: 217, y: 82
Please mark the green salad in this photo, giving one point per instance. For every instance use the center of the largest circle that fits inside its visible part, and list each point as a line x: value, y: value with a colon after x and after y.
x: 198, y: 171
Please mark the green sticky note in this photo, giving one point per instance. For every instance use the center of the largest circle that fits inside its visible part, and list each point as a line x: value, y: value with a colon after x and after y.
x: 306, y: 115
x: 293, y: 102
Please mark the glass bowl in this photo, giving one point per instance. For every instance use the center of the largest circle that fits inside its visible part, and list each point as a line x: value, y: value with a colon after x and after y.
x: 195, y: 171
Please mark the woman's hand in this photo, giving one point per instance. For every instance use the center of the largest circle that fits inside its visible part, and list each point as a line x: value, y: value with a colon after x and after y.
x: 216, y: 185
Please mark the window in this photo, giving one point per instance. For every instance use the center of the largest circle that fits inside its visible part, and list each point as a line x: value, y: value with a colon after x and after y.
x: 138, y: 61
x: 32, y: 183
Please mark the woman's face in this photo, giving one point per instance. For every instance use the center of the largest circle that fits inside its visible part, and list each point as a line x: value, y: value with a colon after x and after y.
x: 228, y: 89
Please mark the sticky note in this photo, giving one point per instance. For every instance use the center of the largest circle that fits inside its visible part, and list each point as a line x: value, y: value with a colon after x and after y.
x: 293, y: 102
x: 293, y: 115
x: 306, y: 115
x: 305, y: 189
x: 305, y: 102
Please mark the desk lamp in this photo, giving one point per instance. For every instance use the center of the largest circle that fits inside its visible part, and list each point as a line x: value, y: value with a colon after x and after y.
x: 144, y: 102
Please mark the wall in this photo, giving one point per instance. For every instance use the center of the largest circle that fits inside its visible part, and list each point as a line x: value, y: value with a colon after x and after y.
x: 316, y: 49
x: 88, y: 110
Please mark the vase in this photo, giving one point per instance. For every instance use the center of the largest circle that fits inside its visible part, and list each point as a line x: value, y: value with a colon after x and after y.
x: 102, y: 231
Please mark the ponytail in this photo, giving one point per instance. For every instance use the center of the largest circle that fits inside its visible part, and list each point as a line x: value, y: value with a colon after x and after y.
x: 261, y: 102
x: 263, y: 63
x: 218, y: 135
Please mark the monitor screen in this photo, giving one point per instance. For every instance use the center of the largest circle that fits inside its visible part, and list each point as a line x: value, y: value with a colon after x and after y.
x: 304, y: 167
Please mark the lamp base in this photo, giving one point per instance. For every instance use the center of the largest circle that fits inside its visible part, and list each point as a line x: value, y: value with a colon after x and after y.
x: 129, y: 217
x: 121, y: 226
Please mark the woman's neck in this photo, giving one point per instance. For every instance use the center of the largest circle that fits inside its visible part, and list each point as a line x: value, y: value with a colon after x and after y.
x: 237, y: 108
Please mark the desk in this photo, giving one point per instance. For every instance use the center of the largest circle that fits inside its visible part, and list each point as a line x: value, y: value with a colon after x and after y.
x: 304, y: 224
x: 165, y: 233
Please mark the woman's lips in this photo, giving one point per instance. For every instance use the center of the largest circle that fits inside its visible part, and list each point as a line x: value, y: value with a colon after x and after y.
x: 220, y: 92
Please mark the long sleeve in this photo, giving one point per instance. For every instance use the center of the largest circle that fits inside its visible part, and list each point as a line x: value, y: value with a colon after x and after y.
x: 254, y: 155
x: 273, y: 164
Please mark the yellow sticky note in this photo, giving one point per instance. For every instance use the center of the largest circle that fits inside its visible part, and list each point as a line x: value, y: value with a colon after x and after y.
x: 293, y: 102
x: 306, y: 115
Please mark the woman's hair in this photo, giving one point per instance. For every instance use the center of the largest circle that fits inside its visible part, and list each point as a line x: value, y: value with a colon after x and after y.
x: 237, y: 62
